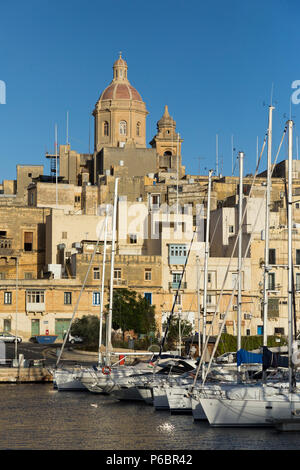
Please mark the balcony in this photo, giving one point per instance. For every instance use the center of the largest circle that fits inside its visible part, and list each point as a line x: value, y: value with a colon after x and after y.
x: 35, y: 307
x: 6, y: 246
x: 120, y: 282
x: 175, y: 285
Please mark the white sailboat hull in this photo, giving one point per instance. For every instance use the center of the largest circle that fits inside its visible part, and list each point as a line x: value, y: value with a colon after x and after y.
x: 179, y: 400
x: 246, y: 413
x: 146, y: 394
x: 160, y: 400
x: 197, y: 410
x: 65, y: 380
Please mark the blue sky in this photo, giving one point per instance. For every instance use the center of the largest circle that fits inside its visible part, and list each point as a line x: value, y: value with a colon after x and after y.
x: 213, y: 63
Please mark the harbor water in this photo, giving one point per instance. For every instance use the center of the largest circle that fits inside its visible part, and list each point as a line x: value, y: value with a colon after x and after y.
x: 37, y: 417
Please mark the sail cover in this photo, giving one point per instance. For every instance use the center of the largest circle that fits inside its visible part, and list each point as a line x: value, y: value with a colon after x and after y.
x: 246, y: 357
x: 271, y: 359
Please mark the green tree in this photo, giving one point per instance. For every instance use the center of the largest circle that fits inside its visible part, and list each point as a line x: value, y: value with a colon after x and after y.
x: 88, y: 328
x: 176, y: 325
x: 132, y: 312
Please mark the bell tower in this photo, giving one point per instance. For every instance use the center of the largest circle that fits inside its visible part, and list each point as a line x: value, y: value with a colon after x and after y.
x: 167, y: 143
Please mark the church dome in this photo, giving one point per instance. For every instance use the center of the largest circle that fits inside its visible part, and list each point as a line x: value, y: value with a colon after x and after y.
x: 120, y: 91
x: 120, y: 88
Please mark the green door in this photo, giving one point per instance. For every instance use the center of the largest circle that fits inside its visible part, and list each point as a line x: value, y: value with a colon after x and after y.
x: 35, y: 327
x: 7, y: 325
x: 61, y: 326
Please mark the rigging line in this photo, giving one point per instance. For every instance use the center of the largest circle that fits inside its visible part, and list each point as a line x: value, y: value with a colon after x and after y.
x: 236, y: 159
x: 176, y: 295
x: 236, y: 241
x: 246, y: 252
x: 78, y: 300
x: 227, y: 270
x: 230, y: 301
x: 293, y: 281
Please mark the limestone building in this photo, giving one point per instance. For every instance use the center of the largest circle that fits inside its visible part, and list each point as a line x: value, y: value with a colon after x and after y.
x: 49, y: 227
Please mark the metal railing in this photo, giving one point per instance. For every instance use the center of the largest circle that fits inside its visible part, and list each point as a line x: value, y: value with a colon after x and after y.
x: 175, y: 285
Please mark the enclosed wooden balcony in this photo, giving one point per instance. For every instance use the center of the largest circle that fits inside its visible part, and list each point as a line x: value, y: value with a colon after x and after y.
x: 6, y: 246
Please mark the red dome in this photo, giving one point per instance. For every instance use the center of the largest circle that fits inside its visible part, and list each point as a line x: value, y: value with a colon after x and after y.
x: 120, y: 91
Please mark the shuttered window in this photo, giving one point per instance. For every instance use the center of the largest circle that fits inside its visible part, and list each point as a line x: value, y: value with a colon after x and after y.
x: 28, y: 241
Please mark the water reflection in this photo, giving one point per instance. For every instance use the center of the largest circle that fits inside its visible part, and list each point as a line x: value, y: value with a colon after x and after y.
x: 34, y: 416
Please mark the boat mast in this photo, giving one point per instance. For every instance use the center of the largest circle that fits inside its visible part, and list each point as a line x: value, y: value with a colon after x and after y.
x: 102, y: 287
x: 17, y: 288
x: 109, y: 320
x: 267, y: 223
x: 198, y: 303
x: 239, y: 297
x: 290, y: 260
x: 206, y: 260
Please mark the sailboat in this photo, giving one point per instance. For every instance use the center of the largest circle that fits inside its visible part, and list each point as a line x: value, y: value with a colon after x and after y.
x: 263, y: 404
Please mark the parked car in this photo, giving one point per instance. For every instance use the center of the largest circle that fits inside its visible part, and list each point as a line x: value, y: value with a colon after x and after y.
x: 74, y: 339
x: 9, y: 338
x: 228, y: 358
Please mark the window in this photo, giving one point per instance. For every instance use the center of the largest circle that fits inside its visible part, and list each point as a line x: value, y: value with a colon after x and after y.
x: 271, y: 281
x: 28, y: 241
x: 64, y: 235
x: 96, y: 272
x: 138, y: 129
x: 298, y: 281
x: 106, y: 128
x: 7, y: 324
x: 209, y: 278
x: 231, y: 229
x: 148, y: 274
x: 123, y: 128
x: 297, y: 256
x: 3, y: 233
x: 272, y: 256
x: 177, y: 254
x: 67, y: 298
x: 117, y: 273
x: 148, y: 297
x: 155, y: 200
x: 248, y: 332
x: 96, y: 298
x: 132, y: 238
x: 168, y: 153
x: 209, y: 299
x: 278, y: 331
x: 7, y: 298
x: 77, y: 199
x: 234, y: 280
x: 177, y: 278
x: 297, y: 205
x: 35, y: 296
x: 28, y: 275
x: 2, y: 276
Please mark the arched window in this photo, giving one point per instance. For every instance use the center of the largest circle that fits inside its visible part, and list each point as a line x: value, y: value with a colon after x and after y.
x: 123, y: 128
x: 105, y: 128
x: 168, y: 153
x: 138, y: 129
